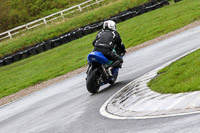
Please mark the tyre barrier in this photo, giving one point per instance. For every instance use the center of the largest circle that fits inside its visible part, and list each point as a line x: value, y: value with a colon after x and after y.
x: 64, y: 39
x: 177, y: 1
x: 16, y: 57
x: 47, y: 45
x: 87, y: 30
x: 2, y: 63
x: 55, y: 42
x: 40, y: 47
x: 32, y: 51
x: 8, y: 60
x: 24, y: 54
x: 80, y: 32
x: 72, y: 36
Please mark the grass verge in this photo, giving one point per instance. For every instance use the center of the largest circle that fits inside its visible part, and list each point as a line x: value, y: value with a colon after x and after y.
x: 180, y: 76
x: 73, y: 55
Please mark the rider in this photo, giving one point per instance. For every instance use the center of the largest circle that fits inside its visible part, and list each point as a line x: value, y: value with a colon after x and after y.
x: 108, y: 39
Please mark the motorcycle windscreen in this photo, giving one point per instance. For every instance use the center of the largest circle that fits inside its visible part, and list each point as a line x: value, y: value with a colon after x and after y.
x: 97, y: 57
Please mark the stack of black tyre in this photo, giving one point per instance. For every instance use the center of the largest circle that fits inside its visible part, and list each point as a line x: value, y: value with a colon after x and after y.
x: 80, y: 32
x: 177, y: 1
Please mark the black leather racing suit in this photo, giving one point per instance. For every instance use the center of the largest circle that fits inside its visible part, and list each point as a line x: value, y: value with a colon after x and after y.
x: 105, y: 41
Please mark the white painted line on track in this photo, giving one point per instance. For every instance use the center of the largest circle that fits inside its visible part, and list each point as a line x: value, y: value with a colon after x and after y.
x: 113, y: 115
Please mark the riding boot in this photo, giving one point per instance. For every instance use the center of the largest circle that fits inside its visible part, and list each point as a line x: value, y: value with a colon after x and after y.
x: 109, y: 70
x: 116, y: 64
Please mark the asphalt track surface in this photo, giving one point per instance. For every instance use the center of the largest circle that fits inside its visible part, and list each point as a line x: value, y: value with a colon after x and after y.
x: 67, y: 107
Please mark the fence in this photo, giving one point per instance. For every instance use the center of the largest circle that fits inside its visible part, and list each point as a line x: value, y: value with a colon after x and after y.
x: 45, y: 20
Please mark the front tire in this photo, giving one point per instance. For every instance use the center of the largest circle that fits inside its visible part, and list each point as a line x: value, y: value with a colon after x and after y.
x: 92, y: 81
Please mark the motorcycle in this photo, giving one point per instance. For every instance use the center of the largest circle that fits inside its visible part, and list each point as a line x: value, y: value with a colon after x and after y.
x: 97, y: 72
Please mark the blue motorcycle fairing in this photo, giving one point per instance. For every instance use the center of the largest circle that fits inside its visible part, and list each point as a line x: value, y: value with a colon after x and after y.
x: 97, y: 57
x: 115, y: 71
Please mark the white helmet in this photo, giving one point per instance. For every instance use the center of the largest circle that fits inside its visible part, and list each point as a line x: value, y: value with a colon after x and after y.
x: 109, y: 25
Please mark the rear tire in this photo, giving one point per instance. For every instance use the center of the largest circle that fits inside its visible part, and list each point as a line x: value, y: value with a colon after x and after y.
x: 91, y: 82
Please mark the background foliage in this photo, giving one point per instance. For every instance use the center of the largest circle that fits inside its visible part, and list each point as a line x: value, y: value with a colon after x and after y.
x: 18, y: 12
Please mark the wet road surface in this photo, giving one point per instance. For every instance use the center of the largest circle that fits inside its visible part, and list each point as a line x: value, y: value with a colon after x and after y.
x: 67, y: 107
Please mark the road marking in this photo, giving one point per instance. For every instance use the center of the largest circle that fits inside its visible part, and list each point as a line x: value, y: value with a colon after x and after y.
x: 121, y: 113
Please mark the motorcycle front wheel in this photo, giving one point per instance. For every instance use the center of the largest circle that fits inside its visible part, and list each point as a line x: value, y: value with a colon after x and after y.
x: 92, y: 81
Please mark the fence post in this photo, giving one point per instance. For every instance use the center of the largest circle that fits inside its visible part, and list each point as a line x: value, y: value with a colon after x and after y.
x: 27, y: 26
x: 97, y: 1
x: 9, y: 34
x: 79, y: 7
x: 62, y: 15
x: 45, y: 22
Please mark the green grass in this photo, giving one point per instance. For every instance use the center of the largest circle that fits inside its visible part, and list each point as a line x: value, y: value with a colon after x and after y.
x: 180, y: 76
x: 44, y: 66
x: 73, y: 55
x: 29, y: 38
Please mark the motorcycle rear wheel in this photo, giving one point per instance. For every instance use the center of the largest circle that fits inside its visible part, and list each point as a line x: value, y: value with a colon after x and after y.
x: 92, y: 81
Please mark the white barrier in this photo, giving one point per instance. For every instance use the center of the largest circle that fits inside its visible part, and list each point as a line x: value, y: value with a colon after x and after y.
x: 45, y: 20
